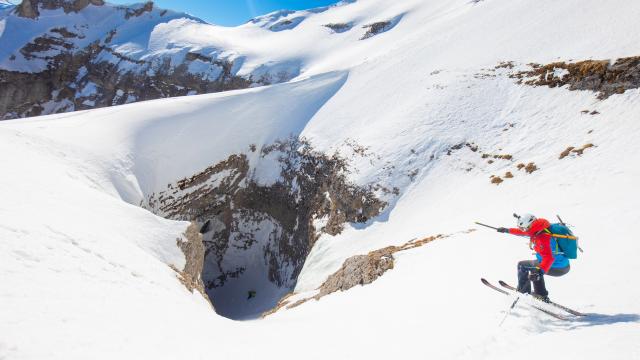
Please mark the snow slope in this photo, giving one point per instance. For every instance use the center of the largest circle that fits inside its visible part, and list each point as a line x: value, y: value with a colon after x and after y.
x: 85, y: 270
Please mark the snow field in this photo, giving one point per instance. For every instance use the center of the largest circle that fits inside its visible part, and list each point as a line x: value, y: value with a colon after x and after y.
x: 85, y: 271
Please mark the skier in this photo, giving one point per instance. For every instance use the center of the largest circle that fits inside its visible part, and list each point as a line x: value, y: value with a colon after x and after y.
x: 550, y: 260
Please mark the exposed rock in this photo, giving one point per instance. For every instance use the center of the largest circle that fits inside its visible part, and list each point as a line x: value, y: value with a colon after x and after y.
x: 193, y: 249
x: 30, y: 8
x: 595, y: 75
x: 379, y: 27
x: 496, y: 180
x: 531, y: 167
x: 573, y: 150
x: 566, y: 152
x: 339, y: 27
x: 375, y: 29
x: 65, y: 33
x: 131, y: 12
x: 498, y: 156
x: 357, y: 270
x: 71, y: 70
x: 581, y: 150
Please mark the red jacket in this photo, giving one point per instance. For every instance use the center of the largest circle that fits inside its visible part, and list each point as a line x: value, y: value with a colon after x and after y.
x: 540, y: 240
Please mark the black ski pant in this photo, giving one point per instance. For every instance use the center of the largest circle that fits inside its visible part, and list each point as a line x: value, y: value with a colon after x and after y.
x: 527, y: 267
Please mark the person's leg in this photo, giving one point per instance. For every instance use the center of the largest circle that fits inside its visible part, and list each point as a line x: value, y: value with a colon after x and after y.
x: 556, y: 272
x: 524, y: 267
x: 539, y: 287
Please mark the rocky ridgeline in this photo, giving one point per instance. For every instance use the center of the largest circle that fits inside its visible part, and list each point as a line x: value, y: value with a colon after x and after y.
x: 278, y: 223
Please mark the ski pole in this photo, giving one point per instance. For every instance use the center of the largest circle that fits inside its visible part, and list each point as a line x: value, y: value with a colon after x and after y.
x: 508, y: 312
x: 490, y: 227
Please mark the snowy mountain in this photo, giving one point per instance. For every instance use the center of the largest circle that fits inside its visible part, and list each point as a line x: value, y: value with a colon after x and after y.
x: 404, y: 124
x: 62, y: 55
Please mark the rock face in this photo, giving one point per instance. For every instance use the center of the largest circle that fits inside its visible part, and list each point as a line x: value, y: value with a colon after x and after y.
x: 258, y: 233
x: 193, y: 249
x: 80, y: 80
x: 359, y: 270
x: 595, y: 75
x: 30, y: 8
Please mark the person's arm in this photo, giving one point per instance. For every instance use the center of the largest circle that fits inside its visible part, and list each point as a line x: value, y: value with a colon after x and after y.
x: 545, y: 252
x: 514, y: 231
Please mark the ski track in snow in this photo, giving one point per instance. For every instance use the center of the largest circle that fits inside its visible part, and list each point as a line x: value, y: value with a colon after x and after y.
x: 85, y: 271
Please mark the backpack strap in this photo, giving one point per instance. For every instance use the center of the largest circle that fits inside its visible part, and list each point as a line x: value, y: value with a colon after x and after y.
x: 570, y: 237
x: 557, y: 250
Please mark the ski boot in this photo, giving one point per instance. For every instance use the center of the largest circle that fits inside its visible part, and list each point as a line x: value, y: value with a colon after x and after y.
x: 543, y: 298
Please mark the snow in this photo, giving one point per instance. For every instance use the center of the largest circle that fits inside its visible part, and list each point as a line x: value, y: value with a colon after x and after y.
x: 88, y: 90
x: 85, y: 270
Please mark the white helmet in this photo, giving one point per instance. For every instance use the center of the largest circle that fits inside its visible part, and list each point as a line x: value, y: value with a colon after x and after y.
x: 525, y: 221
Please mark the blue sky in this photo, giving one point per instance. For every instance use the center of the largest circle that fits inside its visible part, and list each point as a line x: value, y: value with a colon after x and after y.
x: 232, y: 12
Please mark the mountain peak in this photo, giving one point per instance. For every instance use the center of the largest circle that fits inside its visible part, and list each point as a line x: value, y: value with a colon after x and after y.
x: 31, y: 8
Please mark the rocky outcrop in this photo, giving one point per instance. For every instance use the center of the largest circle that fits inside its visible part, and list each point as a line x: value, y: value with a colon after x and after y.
x: 339, y: 27
x: 599, y: 76
x: 135, y: 12
x: 380, y: 27
x: 252, y: 227
x: 356, y: 270
x: 30, y: 8
x: 359, y: 270
x: 193, y: 249
x: 365, y: 269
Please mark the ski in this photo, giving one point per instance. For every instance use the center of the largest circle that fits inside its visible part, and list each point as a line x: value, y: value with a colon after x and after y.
x: 487, y: 283
x: 562, y: 307
x: 550, y: 313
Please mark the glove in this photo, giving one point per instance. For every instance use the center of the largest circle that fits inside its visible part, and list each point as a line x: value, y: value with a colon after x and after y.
x: 503, y: 230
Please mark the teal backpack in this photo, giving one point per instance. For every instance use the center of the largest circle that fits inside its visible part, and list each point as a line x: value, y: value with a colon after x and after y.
x: 565, y: 239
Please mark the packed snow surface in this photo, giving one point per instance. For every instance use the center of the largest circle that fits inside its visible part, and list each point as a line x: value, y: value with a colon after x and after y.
x: 85, y: 270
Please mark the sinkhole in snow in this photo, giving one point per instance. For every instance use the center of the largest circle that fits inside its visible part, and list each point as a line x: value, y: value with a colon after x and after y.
x: 260, y: 214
